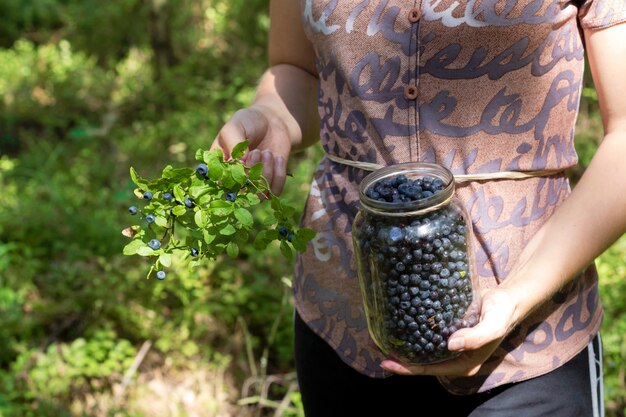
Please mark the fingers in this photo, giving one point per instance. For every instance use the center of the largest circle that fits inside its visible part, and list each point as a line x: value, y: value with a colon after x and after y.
x: 468, y: 364
x: 475, y: 344
x: 269, y: 144
x: 268, y: 165
x: 496, y: 316
x: 245, y: 124
x: 280, y: 174
x: 274, y: 168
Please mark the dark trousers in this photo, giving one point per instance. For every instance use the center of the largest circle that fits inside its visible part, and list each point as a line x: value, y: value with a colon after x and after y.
x: 329, y: 387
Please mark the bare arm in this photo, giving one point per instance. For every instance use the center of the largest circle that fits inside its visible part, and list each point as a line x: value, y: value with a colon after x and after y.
x: 591, y: 219
x: 283, y: 116
x: 594, y: 215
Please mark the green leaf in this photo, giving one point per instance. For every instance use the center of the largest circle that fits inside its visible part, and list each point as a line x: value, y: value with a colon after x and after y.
x: 238, y: 173
x: 244, y: 217
x: 268, y: 221
x: 161, y: 221
x: 179, y: 210
x: 177, y: 174
x: 240, y: 149
x: 145, y: 251
x: 208, y: 238
x: 276, y: 205
x: 199, y: 154
x: 227, y: 179
x: 137, y: 179
x: 221, y: 208
x: 255, y: 172
x: 195, y: 191
x: 253, y: 199
x: 216, y: 154
x: 288, y: 211
x: 241, y: 237
x: 133, y: 247
x: 232, y: 249
x: 165, y: 259
x: 272, y: 234
x: 261, y: 241
x: 306, y: 234
x: 298, y: 244
x: 201, y: 218
x: 286, y: 250
x: 215, y: 169
x: 179, y: 194
x: 228, y: 230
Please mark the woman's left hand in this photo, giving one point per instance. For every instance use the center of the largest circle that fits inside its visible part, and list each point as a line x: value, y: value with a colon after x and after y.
x: 476, y: 343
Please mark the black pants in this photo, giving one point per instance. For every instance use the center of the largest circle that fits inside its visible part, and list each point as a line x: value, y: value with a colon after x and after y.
x: 329, y: 387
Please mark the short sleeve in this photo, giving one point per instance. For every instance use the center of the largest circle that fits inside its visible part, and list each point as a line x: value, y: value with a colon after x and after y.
x: 597, y: 14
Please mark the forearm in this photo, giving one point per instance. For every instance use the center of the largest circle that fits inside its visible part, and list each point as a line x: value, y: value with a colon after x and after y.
x: 586, y: 224
x: 288, y: 94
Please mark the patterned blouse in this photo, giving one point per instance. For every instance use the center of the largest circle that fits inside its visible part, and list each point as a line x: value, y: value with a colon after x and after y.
x: 477, y: 86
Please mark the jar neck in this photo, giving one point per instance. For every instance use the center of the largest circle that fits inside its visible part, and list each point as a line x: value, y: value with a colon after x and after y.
x: 411, y: 170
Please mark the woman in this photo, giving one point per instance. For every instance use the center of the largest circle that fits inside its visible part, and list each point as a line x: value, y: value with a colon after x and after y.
x: 480, y: 87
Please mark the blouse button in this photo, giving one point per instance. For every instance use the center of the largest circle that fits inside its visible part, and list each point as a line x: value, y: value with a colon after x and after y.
x: 410, y: 92
x: 414, y: 15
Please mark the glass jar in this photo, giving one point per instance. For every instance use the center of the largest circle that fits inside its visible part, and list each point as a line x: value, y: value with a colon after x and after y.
x: 414, y: 261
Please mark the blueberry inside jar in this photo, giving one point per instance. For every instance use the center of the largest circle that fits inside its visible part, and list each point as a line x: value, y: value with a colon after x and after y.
x: 412, y: 240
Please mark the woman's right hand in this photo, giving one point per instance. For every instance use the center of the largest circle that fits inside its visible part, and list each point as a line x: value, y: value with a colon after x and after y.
x: 284, y: 116
x: 269, y: 142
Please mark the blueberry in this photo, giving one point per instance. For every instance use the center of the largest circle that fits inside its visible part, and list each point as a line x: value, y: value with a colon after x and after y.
x: 150, y: 218
x: 230, y: 196
x: 283, y: 231
x: 167, y: 196
x: 395, y: 235
x: 291, y: 236
x: 194, y: 252
x: 161, y: 275
x: 202, y: 169
x: 132, y: 210
x: 154, y: 244
x: 147, y: 195
x: 189, y: 202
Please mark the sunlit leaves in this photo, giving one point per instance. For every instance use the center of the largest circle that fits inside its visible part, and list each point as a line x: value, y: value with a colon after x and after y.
x: 220, y: 221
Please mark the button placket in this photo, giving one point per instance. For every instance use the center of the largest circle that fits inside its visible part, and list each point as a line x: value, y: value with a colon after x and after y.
x: 411, y: 88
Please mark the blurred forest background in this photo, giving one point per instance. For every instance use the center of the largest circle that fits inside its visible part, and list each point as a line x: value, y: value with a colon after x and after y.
x: 89, y: 88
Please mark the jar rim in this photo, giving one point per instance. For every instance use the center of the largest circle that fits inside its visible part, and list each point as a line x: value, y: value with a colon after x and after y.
x: 411, y: 170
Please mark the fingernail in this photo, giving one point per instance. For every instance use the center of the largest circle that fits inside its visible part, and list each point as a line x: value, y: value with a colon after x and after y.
x: 456, y: 343
x: 280, y: 161
x: 255, y: 156
x: 267, y: 157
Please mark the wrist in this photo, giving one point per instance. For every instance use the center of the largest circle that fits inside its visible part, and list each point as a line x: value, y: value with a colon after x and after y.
x: 528, y: 289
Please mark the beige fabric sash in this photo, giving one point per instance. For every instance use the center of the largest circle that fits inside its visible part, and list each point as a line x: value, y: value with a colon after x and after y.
x: 459, y: 178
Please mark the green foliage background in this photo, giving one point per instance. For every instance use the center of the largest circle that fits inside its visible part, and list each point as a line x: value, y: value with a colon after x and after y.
x: 89, y: 88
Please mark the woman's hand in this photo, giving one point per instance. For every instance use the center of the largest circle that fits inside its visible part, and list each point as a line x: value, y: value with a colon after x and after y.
x: 269, y: 142
x: 283, y: 117
x: 476, y: 344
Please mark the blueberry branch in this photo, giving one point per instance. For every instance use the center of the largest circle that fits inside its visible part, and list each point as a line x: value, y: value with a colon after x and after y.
x: 211, y: 205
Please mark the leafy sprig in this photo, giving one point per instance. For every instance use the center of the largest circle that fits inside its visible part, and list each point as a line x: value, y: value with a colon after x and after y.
x: 207, y: 212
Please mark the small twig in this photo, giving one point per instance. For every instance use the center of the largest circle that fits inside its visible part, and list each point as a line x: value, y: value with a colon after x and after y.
x: 284, y: 404
x: 273, y: 331
x: 267, y: 382
x: 133, y: 368
x: 249, y: 353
